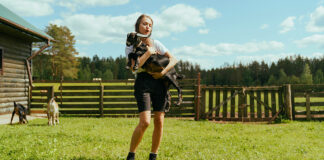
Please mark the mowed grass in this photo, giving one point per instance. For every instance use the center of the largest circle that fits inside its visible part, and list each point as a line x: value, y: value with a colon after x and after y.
x: 109, y: 138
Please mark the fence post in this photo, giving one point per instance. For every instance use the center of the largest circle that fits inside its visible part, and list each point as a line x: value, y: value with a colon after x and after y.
x: 197, y: 108
x: 288, y: 101
x: 50, y: 93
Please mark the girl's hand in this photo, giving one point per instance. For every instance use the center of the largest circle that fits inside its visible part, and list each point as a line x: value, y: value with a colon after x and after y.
x: 151, y: 50
x: 156, y: 75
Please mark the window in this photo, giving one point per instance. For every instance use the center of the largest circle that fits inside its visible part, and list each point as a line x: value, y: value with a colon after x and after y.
x: 1, y: 61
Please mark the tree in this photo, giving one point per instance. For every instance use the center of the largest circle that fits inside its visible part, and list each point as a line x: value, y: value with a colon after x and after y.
x: 283, y: 79
x: 63, y: 54
x: 85, y: 73
x: 272, y: 80
x: 319, y: 77
x: 306, y: 76
x: 108, y: 75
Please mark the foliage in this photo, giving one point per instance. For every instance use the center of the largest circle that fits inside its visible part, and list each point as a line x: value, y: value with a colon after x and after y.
x: 109, y: 138
x: 306, y: 76
x: 61, y: 56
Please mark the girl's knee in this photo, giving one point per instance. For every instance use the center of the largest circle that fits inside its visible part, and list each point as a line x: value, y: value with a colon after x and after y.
x: 144, y: 124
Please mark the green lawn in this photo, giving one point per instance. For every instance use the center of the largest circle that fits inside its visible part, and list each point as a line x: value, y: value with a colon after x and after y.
x: 108, y: 138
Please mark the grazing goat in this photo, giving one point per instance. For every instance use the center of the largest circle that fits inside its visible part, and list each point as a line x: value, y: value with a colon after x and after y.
x: 21, y: 111
x: 52, y: 112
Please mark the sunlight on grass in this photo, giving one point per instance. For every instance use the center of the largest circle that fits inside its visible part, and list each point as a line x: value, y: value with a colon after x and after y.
x: 185, y: 139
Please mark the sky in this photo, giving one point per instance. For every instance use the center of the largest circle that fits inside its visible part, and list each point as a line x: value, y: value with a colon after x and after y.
x: 211, y: 33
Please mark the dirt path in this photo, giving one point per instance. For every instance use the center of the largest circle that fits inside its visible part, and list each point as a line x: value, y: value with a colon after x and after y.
x: 5, y: 118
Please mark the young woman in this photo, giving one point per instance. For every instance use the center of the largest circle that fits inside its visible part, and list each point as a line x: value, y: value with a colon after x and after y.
x: 149, y: 88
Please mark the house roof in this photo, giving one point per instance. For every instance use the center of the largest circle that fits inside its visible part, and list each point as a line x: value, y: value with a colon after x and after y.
x: 12, y: 20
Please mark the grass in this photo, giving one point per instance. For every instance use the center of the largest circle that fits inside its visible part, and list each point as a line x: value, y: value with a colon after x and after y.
x: 108, y: 138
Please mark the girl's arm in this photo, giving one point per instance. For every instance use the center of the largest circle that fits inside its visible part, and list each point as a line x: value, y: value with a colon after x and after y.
x: 146, y: 55
x: 173, y: 61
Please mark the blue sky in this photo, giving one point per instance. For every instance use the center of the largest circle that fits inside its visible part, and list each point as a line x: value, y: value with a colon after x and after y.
x: 211, y: 33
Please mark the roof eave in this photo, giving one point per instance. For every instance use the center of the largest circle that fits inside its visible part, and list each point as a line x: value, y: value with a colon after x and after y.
x: 18, y: 26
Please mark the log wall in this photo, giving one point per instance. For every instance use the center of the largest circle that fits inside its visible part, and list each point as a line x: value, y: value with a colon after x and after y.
x: 14, y: 80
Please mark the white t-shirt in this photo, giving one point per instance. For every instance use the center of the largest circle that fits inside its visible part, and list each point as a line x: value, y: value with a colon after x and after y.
x: 159, y: 47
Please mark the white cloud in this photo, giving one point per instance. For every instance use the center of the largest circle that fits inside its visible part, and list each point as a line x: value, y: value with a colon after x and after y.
x: 203, y: 31
x: 92, y: 29
x: 29, y: 8
x: 317, y: 39
x: 264, y: 26
x: 103, y: 28
x: 211, y: 13
x: 78, y: 4
x: 227, y: 48
x: 288, y: 24
x: 316, y: 23
x: 177, y: 18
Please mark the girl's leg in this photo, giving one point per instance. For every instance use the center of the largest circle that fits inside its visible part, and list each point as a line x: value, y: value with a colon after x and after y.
x: 158, y: 131
x: 138, y: 133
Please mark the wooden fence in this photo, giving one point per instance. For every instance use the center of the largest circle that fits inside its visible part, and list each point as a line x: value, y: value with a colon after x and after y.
x: 237, y: 103
x: 108, y: 98
x: 226, y: 103
x: 307, y: 102
x: 230, y: 103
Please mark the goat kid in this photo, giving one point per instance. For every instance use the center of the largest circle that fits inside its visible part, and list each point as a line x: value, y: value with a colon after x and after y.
x: 21, y: 111
x: 52, y: 112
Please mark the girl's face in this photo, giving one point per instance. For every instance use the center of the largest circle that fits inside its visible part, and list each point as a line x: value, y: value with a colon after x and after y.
x: 145, y: 27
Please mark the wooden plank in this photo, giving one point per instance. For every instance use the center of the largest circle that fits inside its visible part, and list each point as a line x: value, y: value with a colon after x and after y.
x: 281, y: 105
x: 273, y: 103
x: 6, y: 90
x: 225, y: 104
x: 11, y: 99
x: 306, y: 87
x: 13, y: 80
x: 232, y: 104
x: 240, y: 106
x: 217, y: 103
x: 292, y: 103
x: 203, y: 104
x: 245, y: 115
x: 14, y: 94
x: 308, y: 114
x: 303, y: 104
x: 80, y: 88
x: 311, y: 112
x: 211, y: 93
x: 83, y: 93
x: 14, y: 75
x: 259, y: 110
x: 266, y: 101
x: 252, y: 114
x: 101, y: 103
x: 13, y: 85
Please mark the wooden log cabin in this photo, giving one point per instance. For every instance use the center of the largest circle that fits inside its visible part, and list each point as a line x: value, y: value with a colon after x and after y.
x: 16, y: 39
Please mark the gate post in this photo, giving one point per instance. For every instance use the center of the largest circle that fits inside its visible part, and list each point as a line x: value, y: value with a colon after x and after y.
x: 197, y: 107
x: 288, y: 101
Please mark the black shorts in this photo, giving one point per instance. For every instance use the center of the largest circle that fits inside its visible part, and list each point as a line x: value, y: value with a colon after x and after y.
x: 147, y: 90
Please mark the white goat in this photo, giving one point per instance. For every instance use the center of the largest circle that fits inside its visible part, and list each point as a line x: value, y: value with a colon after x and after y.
x: 52, y: 112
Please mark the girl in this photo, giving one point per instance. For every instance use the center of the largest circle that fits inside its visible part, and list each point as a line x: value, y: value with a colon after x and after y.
x: 149, y: 88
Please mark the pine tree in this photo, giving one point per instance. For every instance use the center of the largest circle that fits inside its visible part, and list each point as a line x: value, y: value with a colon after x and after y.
x: 319, y: 77
x: 63, y: 54
x: 306, y: 76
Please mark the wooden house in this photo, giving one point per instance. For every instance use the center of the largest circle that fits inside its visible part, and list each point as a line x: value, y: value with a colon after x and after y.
x: 16, y: 39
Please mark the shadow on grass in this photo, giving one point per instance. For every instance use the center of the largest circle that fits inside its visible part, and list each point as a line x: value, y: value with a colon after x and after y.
x: 36, y: 125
